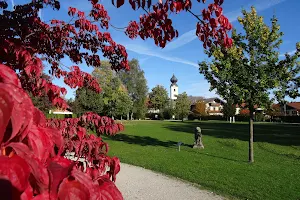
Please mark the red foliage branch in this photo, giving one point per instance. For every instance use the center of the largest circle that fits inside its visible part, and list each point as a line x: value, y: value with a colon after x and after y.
x: 156, y: 24
x: 25, y: 38
x: 32, y: 162
x: 89, y: 147
x: 32, y: 165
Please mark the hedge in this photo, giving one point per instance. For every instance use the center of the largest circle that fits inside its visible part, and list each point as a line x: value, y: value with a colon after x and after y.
x: 60, y: 116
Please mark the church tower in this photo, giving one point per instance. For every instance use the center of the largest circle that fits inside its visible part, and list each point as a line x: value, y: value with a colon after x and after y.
x: 173, y: 88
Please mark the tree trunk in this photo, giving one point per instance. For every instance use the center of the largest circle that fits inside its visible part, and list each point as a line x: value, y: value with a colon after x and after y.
x: 121, y: 117
x: 127, y: 116
x: 251, y: 153
x: 131, y: 117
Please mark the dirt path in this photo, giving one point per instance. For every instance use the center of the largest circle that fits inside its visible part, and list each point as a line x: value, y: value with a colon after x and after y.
x: 139, y: 183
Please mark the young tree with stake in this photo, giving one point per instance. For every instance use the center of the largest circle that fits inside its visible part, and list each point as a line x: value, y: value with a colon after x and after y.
x: 248, y: 70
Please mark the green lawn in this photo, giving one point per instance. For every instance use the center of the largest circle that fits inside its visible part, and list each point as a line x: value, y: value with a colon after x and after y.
x: 222, y: 166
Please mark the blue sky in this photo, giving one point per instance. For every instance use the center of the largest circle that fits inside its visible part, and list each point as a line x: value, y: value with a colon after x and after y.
x: 182, y: 55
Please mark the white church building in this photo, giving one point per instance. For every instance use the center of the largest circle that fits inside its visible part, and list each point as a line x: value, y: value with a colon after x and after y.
x: 173, y: 89
x: 173, y: 92
x: 214, y: 106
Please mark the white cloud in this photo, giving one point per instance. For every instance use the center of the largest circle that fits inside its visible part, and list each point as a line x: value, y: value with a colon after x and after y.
x: 290, y: 53
x: 189, y: 36
x: 143, y: 60
x: 40, y: 14
x: 12, y: 4
x: 158, y: 53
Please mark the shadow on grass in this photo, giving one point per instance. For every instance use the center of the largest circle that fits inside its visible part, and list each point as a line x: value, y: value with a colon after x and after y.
x: 149, y: 141
x: 280, y: 134
x: 142, y: 140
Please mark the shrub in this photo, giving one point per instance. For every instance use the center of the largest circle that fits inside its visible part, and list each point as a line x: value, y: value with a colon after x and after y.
x: 33, y: 148
x: 259, y: 117
x: 167, y: 113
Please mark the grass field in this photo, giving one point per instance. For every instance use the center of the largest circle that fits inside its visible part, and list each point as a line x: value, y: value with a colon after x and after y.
x: 222, y: 166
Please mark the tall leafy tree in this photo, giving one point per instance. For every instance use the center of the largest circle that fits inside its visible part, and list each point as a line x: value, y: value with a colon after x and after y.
x: 123, y: 104
x: 87, y: 100
x: 229, y: 108
x: 158, y: 97
x: 251, y: 68
x: 113, y: 90
x: 182, y: 106
x: 136, y: 84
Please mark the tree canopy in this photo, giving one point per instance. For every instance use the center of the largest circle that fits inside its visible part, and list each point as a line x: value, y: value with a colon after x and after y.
x: 136, y: 85
x: 87, y: 100
x: 248, y: 70
x: 158, y: 97
x: 182, y: 106
x: 229, y: 108
x: 114, y: 93
x: 200, y: 108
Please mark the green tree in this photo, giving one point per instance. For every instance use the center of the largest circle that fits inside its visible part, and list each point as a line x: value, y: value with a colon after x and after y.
x: 158, y: 97
x: 229, y: 108
x: 136, y: 84
x: 248, y: 70
x: 168, y: 111
x: 111, y: 86
x: 123, y: 104
x: 87, y: 101
x: 42, y: 102
x: 182, y: 106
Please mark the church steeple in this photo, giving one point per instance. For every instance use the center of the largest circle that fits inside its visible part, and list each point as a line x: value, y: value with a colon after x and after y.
x: 174, y: 80
x: 173, y: 88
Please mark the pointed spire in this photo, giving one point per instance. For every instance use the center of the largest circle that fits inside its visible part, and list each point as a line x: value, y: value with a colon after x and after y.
x: 173, y: 79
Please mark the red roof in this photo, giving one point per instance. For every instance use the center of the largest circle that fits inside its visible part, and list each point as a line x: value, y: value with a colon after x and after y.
x: 275, y: 105
x: 295, y: 105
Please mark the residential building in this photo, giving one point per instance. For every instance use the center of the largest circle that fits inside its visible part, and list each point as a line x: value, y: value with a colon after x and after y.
x: 213, y: 106
x: 289, y: 109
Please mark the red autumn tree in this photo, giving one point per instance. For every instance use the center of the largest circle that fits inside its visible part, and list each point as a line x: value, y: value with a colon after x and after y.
x: 245, y: 112
x: 33, y: 150
x: 200, y: 108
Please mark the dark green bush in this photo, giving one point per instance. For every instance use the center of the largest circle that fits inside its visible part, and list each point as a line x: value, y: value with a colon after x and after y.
x: 259, y: 117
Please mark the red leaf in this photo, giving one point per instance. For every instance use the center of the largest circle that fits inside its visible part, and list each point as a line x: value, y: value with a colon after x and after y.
x: 59, y: 169
x: 16, y: 170
x: 21, y: 115
x: 40, y: 143
x: 27, y: 194
x: 39, y: 118
x: 7, y: 75
x: 120, y: 3
x: 83, y: 178
x: 114, y: 167
x: 108, y: 190
x: 38, y: 169
x: 6, y: 107
x: 69, y: 190
x: 43, y: 196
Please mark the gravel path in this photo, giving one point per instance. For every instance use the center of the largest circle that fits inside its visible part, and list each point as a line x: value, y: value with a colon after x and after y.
x: 139, y: 183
